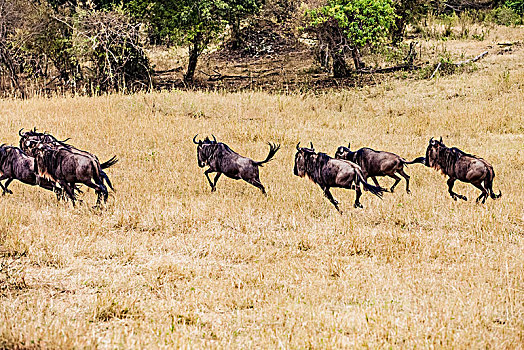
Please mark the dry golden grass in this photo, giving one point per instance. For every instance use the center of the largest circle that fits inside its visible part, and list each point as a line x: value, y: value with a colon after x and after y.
x: 169, y: 264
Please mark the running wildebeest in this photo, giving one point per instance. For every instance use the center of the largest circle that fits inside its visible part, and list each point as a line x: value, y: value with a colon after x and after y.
x: 223, y: 160
x: 328, y: 172
x: 459, y: 165
x: 16, y: 165
x: 66, y: 168
x: 29, y: 140
x: 378, y: 163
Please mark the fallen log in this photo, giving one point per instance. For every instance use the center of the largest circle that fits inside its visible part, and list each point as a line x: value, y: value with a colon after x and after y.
x: 474, y: 59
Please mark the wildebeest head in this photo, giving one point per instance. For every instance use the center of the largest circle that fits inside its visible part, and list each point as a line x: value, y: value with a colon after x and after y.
x: 343, y: 152
x: 300, y: 159
x: 433, y: 151
x: 30, y: 138
x: 205, y: 148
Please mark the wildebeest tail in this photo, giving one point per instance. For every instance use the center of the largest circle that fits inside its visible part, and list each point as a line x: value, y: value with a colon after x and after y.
x: 420, y: 160
x: 109, y: 163
x: 488, y: 183
x: 273, y: 148
x: 105, y: 178
x: 377, y: 191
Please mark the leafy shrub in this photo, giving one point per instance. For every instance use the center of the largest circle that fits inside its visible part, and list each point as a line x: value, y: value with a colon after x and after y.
x: 343, y: 27
x: 516, y: 5
x: 506, y: 16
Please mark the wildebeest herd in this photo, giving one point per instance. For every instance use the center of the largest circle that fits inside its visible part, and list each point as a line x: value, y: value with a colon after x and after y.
x: 42, y: 160
x: 53, y: 165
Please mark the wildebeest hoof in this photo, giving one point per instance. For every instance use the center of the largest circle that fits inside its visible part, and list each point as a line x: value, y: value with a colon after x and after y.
x: 391, y: 190
x: 213, y: 189
x: 358, y: 205
x: 464, y: 198
x: 408, y: 191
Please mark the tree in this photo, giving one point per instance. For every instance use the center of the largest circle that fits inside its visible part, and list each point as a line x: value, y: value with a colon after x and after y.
x: 195, y: 23
x: 407, y: 11
x: 344, y: 27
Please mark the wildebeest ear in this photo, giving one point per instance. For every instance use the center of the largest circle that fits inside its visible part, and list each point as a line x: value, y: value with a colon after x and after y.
x: 311, y: 145
x: 349, y: 145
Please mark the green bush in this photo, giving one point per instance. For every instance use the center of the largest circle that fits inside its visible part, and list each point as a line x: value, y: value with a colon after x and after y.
x: 343, y: 27
x: 506, y: 16
x: 516, y: 5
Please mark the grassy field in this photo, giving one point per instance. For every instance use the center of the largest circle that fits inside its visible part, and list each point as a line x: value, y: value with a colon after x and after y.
x: 168, y: 263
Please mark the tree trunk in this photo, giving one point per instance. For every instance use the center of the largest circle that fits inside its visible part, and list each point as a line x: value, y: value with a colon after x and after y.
x: 194, y: 52
x: 340, y: 68
x: 356, y: 58
x: 397, y: 34
x: 236, y: 40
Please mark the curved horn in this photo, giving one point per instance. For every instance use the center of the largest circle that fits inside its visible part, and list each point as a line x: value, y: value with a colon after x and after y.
x: 298, y: 146
x: 441, y: 139
x: 431, y: 139
x: 349, y: 144
x: 20, y: 132
x: 196, y: 143
x: 65, y: 140
x: 311, y: 144
x: 214, y: 138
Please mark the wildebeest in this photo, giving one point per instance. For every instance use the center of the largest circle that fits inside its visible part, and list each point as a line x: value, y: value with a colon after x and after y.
x: 378, y: 163
x: 66, y: 168
x: 16, y: 165
x: 223, y: 160
x: 29, y: 140
x: 459, y: 165
x: 328, y: 172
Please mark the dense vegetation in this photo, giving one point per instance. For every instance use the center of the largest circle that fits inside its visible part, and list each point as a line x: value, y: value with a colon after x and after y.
x: 100, y: 45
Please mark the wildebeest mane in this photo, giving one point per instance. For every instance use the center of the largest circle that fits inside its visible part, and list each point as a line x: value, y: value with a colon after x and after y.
x: 447, y: 158
x: 314, y: 166
x: 210, y: 150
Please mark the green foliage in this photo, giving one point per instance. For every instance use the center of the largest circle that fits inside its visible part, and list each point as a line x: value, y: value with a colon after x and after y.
x: 516, y: 5
x: 363, y: 22
x: 505, y: 16
x: 182, y: 21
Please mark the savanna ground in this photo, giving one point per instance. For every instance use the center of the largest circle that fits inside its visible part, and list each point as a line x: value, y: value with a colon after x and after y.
x: 168, y: 263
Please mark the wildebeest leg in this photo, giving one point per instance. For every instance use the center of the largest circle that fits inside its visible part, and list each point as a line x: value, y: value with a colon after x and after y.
x: 357, y: 198
x: 451, y: 182
x: 4, y: 187
x: 397, y: 180
x: 207, y: 172
x: 329, y: 196
x: 99, y: 190
x: 484, y: 193
x: 375, y: 181
x: 214, y: 186
x: 257, y: 184
x: 405, y: 176
x: 69, y: 191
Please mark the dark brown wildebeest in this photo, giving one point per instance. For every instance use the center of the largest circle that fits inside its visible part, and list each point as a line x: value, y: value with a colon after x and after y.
x: 459, y: 165
x: 29, y: 140
x: 223, y: 160
x: 16, y: 165
x: 378, y: 163
x: 328, y: 172
x: 65, y: 167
